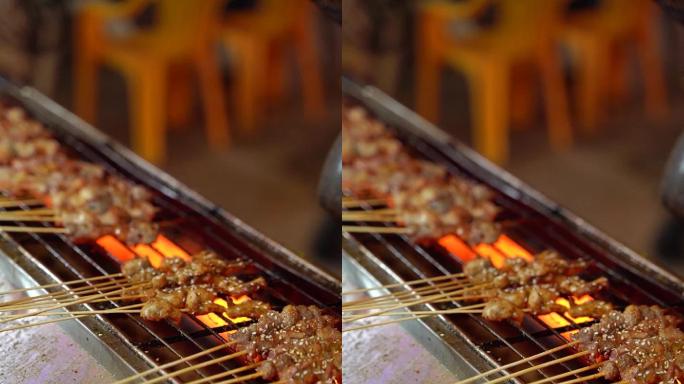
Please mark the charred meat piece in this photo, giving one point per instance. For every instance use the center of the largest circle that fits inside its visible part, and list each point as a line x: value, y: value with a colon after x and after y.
x: 299, y: 345
x: 641, y: 345
x: 251, y: 308
x: 593, y: 308
x: 501, y: 309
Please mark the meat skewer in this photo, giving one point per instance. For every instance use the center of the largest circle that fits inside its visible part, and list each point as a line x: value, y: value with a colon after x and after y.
x: 298, y: 345
x: 516, y: 289
x: 534, y: 287
x: 640, y: 345
x: 176, y: 287
x: 191, y: 287
x: 86, y: 200
x: 429, y: 201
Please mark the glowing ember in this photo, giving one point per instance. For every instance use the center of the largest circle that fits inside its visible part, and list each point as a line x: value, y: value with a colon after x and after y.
x: 497, y: 258
x: 116, y: 248
x: 168, y: 248
x: 153, y: 256
x: 457, y: 247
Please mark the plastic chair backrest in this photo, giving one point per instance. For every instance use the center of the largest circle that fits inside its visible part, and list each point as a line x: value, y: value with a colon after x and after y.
x: 617, y: 17
x: 184, y: 21
x: 527, y: 20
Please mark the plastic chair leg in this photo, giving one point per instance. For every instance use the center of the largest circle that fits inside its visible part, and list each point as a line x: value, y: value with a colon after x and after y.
x: 147, y: 90
x: 85, y: 87
x: 555, y: 97
x: 252, y: 56
x: 213, y: 98
x: 277, y: 84
x: 428, y: 75
x: 490, y: 90
x: 592, y: 70
x: 655, y: 94
x: 523, y: 100
x: 180, y: 96
x: 310, y: 73
x: 619, y: 75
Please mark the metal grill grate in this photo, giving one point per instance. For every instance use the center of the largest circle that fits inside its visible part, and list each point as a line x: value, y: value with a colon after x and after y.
x: 531, y: 222
x: 189, y: 223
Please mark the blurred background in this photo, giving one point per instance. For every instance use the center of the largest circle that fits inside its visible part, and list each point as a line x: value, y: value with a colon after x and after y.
x: 582, y: 99
x: 239, y: 99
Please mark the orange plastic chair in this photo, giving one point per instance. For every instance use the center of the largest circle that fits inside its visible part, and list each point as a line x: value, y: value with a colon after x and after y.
x: 524, y: 34
x: 181, y: 36
x: 598, y: 39
x: 258, y: 39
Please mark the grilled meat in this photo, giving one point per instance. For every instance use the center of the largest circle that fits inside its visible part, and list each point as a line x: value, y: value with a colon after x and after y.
x: 430, y: 201
x: 641, y: 345
x: 88, y: 202
x: 534, y: 287
x: 299, y: 345
x: 178, y: 287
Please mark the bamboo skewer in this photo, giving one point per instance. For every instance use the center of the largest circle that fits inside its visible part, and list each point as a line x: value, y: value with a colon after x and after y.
x: 476, y: 309
x: 373, y: 325
x: 374, y: 215
x: 403, y: 304
x: 584, y: 378
x: 386, y: 309
x: 242, y: 378
x: 371, y: 219
x: 125, y: 309
x: 30, y: 212
x: 79, y: 301
x: 41, y: 323
x: 175, y: 362
x: 381, y: 211
x: 61, y: 284
x: 72, y: 302
x: 31, y: 302
x: 419, y: 301
x: 224, y: 374
x: 196, y: 366
x: 566, y: 374
x: 28, y: 218
x: 400, y: 295
x: 19, y: 203
x: 388, y: 304
x: 73, y: 317
x: 411, y: 316
x: 7, y: 228
x: 68, y: 292
x: 539, y: 366
x: 372, y: 229
x: 411, y: 282
x: 513, y: 364
x: 350, y: 203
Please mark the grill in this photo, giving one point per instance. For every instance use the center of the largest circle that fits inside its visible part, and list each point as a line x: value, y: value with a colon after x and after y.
x: 465, y: 343
x: 188, y: 224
